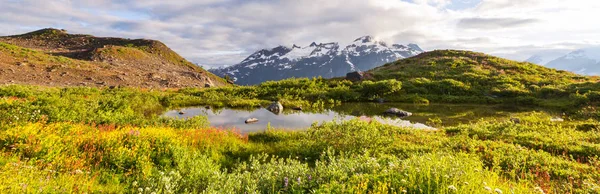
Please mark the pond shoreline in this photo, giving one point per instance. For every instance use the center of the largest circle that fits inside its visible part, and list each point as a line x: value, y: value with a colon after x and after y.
x: 428, y: 117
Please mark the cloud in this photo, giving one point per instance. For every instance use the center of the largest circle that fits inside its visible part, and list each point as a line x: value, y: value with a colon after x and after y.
x: 493, y: 23
x: 223, y: 32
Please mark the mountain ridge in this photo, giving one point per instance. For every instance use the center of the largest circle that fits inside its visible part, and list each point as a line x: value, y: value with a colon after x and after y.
x: 583, y: 61
x: 317, y: 59
x: 55, y: 57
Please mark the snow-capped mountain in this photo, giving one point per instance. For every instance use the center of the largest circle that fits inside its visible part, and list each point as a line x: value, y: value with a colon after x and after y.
x: 583, y: 61
x: 545, y: 56
x: 537, y: 59
x: 323, y: 59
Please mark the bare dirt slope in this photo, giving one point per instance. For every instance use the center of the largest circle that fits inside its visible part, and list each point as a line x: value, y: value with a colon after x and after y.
x: 55, y: 58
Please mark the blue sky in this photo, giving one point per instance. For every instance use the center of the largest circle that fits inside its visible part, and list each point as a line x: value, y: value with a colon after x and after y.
x: 463, y: 4
x: 223, y: 32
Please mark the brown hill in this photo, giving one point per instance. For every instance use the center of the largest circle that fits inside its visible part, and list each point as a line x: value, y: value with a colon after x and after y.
x: 55, y: 58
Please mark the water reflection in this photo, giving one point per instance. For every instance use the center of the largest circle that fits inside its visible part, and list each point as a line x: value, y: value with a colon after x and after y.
x: 448, y: 114
x: 295, y: 120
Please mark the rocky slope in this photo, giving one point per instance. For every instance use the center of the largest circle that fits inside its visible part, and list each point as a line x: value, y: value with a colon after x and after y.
x: 55, y: 58
x: 324, y: 59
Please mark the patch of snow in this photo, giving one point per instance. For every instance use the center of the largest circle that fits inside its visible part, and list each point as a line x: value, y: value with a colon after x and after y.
x: 252, y: 66
x: 576, y: 54
x: 592, y: 53
x: 298, y: 53
x: 352, y: 67
x: 233, y: 72
x: 319, y: 52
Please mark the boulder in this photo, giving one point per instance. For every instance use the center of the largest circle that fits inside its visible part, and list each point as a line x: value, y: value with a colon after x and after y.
x: 275, y: 107
x: 398, y: 112
x: 297, y: 108
x: 515, y: 120
x: 355, y: 76
x: 365, y: 119
x: 251, y: 120
x: 181, y: 112
x: 208, y: 83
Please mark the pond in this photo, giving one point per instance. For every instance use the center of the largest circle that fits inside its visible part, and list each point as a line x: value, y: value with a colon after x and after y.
x: 446, y: 115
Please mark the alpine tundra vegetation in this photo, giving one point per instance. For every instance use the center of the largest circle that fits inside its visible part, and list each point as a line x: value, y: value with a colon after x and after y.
x: 300, y: 96
x: 114, y: 140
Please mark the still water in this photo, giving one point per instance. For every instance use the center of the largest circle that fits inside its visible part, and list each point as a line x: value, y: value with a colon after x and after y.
x: 299, y: 120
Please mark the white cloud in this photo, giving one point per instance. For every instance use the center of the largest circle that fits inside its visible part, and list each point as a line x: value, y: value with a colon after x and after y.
x: 222, y: 32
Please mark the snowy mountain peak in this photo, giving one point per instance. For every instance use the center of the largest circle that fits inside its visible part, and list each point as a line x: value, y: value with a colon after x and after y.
x: 592, y: 53
x: 317, y: 59
x: 365, y: 39
x: 415, y: 47
x: 582, y: 61
x: 279, y: 49
x: 536, y: 59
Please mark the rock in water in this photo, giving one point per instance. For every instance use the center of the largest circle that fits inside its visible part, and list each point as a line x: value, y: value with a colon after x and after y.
x: 355, y: 76
x: 251, y: 120
x: 297, y: 108
x: 398, y: 112
x: 275, y: 107
x: 181, y: 112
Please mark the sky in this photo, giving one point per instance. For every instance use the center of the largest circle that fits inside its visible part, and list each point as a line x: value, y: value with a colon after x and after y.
x: 215, y: 33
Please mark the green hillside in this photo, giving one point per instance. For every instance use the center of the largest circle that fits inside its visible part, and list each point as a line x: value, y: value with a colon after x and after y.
x: 56, y: 58
x: 116, y: 139
x: 463, y: 73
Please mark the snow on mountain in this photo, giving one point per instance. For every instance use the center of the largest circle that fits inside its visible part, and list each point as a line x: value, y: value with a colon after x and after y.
x: 415, y: 47
x: 584, y: 61
x: 298, y: 52
x: 536, y: 59
x: 589, y: 53
x: 317, y: 59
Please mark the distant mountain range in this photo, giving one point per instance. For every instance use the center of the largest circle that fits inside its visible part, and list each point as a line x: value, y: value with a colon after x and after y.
x: 583, y: 61
x: 324, y: 59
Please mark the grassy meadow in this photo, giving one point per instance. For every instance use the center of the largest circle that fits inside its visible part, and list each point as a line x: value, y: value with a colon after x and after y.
x: 113, y: 139
x: 101, y: 140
